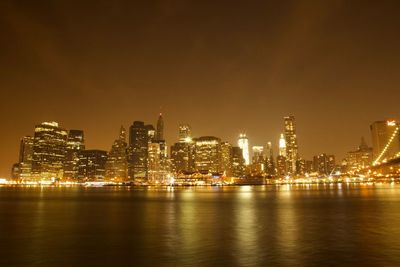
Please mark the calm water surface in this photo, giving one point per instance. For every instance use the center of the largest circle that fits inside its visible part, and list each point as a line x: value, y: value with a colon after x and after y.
x: 326, y: 225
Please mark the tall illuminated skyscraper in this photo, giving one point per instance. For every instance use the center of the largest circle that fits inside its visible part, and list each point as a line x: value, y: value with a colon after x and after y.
x: 243, y: 143
x: 291, y: 144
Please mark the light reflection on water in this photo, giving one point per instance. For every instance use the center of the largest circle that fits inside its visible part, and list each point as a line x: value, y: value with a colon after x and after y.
x: 287, y: 225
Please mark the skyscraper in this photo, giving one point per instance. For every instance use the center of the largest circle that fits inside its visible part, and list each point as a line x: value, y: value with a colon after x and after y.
x: 291, y: 144
x: 324, y: 164
x: 48, y: 151
x: 282, y: 146
x: 237, y: 162
x: 92, y: 165
x: 182, y: 152
x: 25, y: 157
x: 243, y: 143
x: 226, y: 158
x: 258, y: 154
x: 182, y: 156
x: 138, y: 151
x: 207, y: 154
x: 360, y: 158
x: 269, y: 159
x: 117, y: 162
x: 381, y: 133
x: 160, y: 128
x: 185, y: 133
x: 75, y: 144
x: 281, y: 165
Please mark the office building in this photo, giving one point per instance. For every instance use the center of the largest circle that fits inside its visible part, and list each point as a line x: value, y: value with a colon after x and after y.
x: 207, y: 156
x: 49, y: 151
x: 117, y: 160
x: 92, y: 165
x: 243, y: 143
x: 25, y: 158
x: 75, y: 144
x: 237, y: 162
x: 291, y: 144
x: 138, y: 151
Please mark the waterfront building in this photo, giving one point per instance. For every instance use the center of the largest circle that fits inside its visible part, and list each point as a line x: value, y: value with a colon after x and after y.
x: 324, y: 164
x: 182, y: 157
x: 25, y: 157
x: 137, y: 151
x: 359, y: 159
x: 243, y: 143
x: 300, y: 166
x: 291, y: 144
x: 75, y: 144
x: 154, y: 162
x: 226, y: 158
x: 269, y: 160
x: 281, y: 165
x: 207, y: 156
x: 237, y: 162
x: 182, y: 152
x: 258, y: 161
x: 48, y: 151
x: 309, y: 166
x: 382, y: 132
x: 117, y: 160
x: 16, y: 171
x: 92, y: 165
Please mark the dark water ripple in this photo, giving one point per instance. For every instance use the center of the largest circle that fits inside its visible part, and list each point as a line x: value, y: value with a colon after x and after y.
x: 326, y: 225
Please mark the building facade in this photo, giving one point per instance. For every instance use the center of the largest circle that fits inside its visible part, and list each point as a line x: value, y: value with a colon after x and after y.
x: 207, y: 156
x: 117, y: 160
x: 92, y: 165
x: 49, y: 151
x: 75, y: 144
x: 138, y: 151
x: 291, y: 144
x: 243, y: 143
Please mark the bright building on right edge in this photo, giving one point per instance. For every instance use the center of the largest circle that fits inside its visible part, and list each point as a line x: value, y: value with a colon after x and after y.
x: 385, y: 139
x: 291, y: 144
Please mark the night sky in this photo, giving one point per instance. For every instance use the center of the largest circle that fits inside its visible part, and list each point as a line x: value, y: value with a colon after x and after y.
x: 221, y: 66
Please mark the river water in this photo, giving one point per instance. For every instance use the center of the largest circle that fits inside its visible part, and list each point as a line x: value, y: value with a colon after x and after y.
x: 325, y: 225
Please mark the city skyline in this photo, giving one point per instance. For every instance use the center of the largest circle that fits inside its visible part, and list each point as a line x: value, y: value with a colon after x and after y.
x: 54, y: 152
x: 275, y: 142
x: 222, y: 70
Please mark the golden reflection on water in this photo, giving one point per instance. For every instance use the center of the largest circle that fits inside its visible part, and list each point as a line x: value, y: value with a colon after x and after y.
x: 246, y: 226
